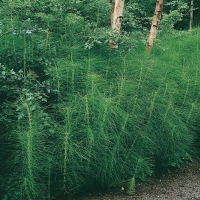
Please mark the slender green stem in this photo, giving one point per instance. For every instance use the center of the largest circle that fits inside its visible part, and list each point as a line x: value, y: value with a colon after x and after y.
x: 12, y: 26
x: 73, y: 69
x: 29, y: 141
x: 24, y: 54
x: 65, y: 158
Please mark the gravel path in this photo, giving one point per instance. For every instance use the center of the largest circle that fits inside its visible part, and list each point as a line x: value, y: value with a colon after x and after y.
x: 182, y: 184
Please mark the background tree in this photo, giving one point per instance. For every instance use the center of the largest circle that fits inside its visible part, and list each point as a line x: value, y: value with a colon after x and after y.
x: 155, y: 24
x: 191, y: 13
x: 116, y: 19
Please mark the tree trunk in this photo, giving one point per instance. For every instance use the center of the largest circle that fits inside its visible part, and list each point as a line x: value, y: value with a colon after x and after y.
x: 116, y: 19
x: 154, y: 25
x: 191, y: 13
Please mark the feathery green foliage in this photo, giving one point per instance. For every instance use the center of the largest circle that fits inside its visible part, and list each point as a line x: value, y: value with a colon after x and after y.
x: 77, y: 116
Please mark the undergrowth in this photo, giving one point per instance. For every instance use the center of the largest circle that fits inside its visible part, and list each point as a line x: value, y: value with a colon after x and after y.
x: 76, y: 119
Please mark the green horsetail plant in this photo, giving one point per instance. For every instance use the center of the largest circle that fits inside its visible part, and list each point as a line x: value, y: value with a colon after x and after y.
x: 30, y: 156
x: 68, y: 123
x: 132, y: 182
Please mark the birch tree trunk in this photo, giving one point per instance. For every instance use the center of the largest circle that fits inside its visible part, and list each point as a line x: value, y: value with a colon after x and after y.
x: 155, y: 24
x: 191, y: 13
x: 116, y: 19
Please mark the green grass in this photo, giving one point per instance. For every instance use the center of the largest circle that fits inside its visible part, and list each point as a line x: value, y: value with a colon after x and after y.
x: 116, y: 116
x: 124, y: 107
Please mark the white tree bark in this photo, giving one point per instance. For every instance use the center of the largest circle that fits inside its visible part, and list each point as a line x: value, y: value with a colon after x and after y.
x: 155, y: 24
x: 191, y: 13
x: 116, y: 19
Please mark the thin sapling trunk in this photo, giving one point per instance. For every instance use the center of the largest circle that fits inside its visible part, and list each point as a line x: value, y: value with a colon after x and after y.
x: 116, y: 19
x: 154, y: 25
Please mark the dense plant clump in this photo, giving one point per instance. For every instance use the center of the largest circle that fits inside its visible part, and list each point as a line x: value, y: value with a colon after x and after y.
x: 77, y: 116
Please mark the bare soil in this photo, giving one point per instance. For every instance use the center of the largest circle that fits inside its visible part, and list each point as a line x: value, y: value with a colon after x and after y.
x: 181, y: 184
